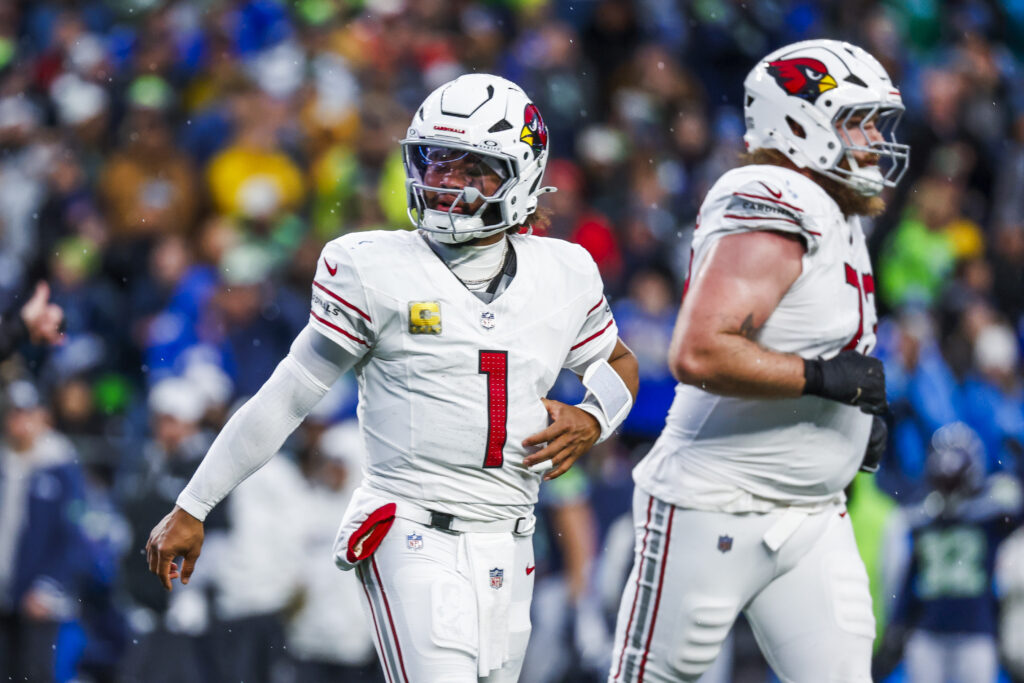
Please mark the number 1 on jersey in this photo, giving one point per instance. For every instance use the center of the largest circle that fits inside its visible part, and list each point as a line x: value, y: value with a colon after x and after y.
x: 494, y: 364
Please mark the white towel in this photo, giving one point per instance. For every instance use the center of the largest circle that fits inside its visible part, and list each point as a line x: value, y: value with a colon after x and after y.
x: 491, y: 558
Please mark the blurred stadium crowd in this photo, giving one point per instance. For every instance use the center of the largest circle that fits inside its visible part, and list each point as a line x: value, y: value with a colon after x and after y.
x: 172, y: 169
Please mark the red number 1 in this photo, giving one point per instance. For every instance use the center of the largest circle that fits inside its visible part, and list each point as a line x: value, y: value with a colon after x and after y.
x: 494, y: 364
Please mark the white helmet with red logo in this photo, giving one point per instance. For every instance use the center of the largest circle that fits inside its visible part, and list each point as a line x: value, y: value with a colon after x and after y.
x: 801, y: 99
x: 493, y: 119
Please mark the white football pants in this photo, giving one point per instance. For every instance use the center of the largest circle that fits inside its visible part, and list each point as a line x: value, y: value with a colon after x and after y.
x: 807, y: 602
x: 956, y: 658
x: 421, y: 597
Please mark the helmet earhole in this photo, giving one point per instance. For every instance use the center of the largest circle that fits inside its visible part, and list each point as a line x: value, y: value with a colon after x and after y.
x: 513, y: 200
x: 831, y: 145
x: 828, y: 103
x: 526, y: 156
x: 797, y: 129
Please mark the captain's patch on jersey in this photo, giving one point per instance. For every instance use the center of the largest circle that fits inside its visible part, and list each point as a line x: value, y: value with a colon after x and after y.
x: 424, y: 317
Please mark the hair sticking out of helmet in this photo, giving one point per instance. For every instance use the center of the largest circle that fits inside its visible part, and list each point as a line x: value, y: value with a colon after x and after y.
x: 828, y: 106
x: 474, y: 159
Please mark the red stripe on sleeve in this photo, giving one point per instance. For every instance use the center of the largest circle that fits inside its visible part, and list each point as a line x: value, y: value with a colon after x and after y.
x: 338, y: 329
x: 338, y: 298
x: 593, y: 336
x: 761, y: 218
x: 767, y: 199
x: 594, y: 308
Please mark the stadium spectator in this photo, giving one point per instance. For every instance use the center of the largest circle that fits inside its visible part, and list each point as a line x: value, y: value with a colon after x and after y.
x: 645, y: 320
x: 993, y: 398
x: 923, y: 395
x: 254, y: 572
x: 41, y: 492
x: 166, y: 628
x: 38, y: 320
x: 148, y: 186
x: 325, y: 640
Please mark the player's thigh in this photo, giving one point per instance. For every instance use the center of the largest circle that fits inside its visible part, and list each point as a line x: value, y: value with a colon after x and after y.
x: 692, y: 573
x: 422, y: 608
x: 925, y: 658
x: 519, y: 626
x: 814, y: 621
x: 974, y: 659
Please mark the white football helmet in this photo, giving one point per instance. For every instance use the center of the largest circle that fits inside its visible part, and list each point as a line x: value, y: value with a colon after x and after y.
x: 822, y: 86
x: 492, y: 122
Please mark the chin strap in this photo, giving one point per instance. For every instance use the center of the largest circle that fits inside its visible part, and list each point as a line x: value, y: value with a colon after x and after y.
x: 608, y: 398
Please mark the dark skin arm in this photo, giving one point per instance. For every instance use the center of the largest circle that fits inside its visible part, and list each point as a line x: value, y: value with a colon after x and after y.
x: 573, y: 431
x: 739, y: 285
x: 178, y: 534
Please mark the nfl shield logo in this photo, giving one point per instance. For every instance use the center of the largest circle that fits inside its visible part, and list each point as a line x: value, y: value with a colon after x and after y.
x: 497, y: 578
x: 487, y: 320
x: 724, y: 543
x: 414, y: 541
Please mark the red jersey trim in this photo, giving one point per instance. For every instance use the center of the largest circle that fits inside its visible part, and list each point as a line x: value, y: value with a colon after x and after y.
x: 767, y: 199
x: 593, y: 336
x: 338, y: 329
x: 765, y: 218
x: 335, y: 296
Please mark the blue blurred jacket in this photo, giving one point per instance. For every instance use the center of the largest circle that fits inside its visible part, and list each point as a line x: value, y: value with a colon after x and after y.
x: 50, y: 541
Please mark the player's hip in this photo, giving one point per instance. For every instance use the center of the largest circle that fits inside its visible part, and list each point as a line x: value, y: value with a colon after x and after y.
x: 761, y: 544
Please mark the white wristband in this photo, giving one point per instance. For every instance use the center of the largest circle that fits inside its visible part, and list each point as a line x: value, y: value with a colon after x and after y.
x: 608, y: 399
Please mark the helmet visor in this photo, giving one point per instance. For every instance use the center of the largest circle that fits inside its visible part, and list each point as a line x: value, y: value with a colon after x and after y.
x: 453, y: 167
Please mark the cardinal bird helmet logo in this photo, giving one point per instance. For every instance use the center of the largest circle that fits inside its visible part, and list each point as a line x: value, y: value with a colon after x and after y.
x: 534, y: 132
x: 802, y: 77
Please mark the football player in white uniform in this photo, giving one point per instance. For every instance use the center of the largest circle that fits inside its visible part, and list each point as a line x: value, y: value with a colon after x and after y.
x: 739, y: 505
x: 456, y: 332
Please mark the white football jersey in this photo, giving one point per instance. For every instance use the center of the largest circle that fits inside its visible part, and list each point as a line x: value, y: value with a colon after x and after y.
x: 736, y: 454
x: 450, y: 386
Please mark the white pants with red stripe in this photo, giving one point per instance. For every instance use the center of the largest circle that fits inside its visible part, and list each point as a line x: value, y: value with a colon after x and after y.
x: 808, y: 601
x: 421, y: 599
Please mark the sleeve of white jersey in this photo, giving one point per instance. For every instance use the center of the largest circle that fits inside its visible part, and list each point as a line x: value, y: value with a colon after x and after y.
x: 341, y: 308
x: 598, y: 332
x: 753, y: 203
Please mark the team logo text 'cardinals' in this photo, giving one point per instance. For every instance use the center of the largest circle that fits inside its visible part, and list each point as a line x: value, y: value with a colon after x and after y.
x: 802, y: 77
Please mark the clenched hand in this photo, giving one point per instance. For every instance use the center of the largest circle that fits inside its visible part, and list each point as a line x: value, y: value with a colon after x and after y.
x: 571, y: 434
x: 178, y: 534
